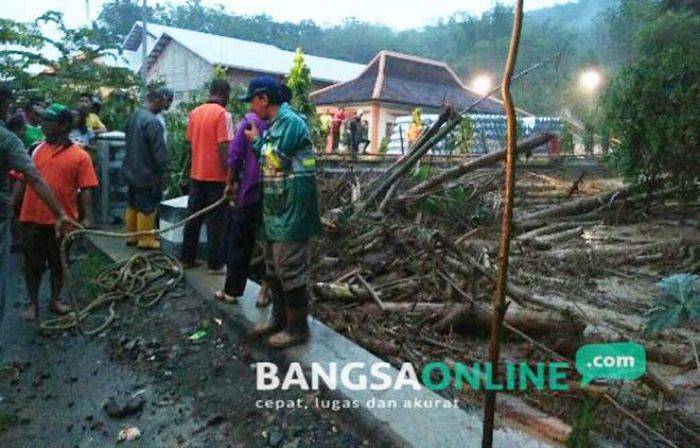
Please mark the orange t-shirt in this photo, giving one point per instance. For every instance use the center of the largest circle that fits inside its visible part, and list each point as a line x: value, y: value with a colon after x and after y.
x: 208, y: 126
x: 66, y: 169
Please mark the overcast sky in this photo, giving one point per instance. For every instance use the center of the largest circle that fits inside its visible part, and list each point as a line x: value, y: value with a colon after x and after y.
x: 399, y: 14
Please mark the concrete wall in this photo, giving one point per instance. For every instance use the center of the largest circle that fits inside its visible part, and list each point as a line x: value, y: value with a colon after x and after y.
x: 180, y: 69
x: 184, y: 71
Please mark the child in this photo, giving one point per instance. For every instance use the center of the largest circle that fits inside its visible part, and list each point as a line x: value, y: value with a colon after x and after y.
x: 69, y: 173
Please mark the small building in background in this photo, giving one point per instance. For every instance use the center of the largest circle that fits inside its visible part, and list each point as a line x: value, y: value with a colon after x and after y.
x: 392, y: 85
x: 184, y: 59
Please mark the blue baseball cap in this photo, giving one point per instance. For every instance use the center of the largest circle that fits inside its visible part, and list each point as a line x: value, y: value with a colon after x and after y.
x: 258, y: 86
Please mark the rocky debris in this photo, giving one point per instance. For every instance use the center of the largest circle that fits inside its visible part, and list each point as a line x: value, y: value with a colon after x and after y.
x: 138, y: 348
x: 131, y: 407
x: 275, y: 438
x: 128, y: 434
x: 39, y: 379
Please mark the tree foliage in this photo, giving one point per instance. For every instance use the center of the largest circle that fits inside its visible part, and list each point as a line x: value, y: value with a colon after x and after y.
x: 299, y: 82
x: 464, y: 137
x: 78, y: 66
x: 652, y: 105
x: 679, y: 303
x: 470, y: 44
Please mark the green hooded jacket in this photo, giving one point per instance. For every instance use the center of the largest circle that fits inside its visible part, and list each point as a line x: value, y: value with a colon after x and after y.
x: 288, y: 168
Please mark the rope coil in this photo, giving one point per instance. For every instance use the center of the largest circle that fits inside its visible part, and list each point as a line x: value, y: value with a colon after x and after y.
x: 145, y: 277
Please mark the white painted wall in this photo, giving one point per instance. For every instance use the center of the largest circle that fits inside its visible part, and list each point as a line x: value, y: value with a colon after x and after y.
x: 180, y: 69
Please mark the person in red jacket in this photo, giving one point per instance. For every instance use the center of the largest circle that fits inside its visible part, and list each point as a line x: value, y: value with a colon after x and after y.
x: 336, y: 125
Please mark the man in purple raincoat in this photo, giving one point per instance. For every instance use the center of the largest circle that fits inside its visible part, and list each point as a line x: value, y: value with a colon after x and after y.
x: 243, y: 187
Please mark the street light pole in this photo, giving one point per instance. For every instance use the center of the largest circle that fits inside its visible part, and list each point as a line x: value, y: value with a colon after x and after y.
x: 144, y: 44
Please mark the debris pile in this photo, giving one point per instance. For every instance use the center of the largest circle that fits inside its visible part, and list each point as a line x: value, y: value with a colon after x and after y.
x: 407, y: 265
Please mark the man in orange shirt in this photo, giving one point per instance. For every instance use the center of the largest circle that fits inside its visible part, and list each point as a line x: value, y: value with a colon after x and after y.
x: 209, y: 130
x: 69, y: 172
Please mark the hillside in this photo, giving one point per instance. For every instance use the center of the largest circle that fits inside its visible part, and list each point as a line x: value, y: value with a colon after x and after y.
x: 469, y: 43
x: 577, y: 15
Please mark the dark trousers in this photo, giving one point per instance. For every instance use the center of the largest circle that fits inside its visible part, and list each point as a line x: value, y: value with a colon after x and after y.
x: 336, y: 138
x: 144, y: 199
x: 240, y: 242
x: 202, y: 195
x: 5, y: 243
x: 41, y: 249
x: 286, y: 267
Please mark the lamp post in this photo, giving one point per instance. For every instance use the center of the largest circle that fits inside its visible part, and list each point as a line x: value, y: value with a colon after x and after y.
x: 482, y: 84
x: 144, y: 44
x: 590, y: 80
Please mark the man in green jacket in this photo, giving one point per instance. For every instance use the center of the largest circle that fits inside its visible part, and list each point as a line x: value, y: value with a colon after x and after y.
x: 290, y: 210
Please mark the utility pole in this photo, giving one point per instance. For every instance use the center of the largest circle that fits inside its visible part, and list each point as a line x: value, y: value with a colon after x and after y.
x: 499, y: 295
x: 144, y: 44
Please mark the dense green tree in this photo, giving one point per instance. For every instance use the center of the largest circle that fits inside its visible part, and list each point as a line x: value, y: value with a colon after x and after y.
x: 468, y: 43
x: 586, y: 32
x: 652, y: 105
x: 78, y: 67
x: 299, y: 82
x: 118, y: 16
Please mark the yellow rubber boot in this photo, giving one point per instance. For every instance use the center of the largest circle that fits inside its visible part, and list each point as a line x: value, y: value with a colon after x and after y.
x: 147, y: 222
x: 130, y: 225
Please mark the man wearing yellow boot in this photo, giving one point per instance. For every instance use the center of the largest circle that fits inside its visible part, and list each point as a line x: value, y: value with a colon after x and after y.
x: 290, y: 211
x: 145, y: 165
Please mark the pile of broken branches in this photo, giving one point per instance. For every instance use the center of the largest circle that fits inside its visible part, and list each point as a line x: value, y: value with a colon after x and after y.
x: 406, y: 268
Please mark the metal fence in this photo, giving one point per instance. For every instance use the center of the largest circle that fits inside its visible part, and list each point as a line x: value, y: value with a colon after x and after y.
x: 110, y: 196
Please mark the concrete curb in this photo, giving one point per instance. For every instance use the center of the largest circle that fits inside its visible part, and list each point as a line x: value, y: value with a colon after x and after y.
x: 401, y: 426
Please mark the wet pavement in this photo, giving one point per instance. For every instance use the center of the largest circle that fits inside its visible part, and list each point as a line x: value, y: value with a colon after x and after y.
x: 194, y: 393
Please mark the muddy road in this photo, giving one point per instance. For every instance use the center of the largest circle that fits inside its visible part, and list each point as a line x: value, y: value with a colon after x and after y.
x: 183, y: 393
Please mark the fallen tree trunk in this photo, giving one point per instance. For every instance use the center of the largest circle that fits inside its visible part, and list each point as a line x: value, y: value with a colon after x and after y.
x: 546, y: 230
x: 407, y: 307
x: 516, y: 409
x: 515, y: 292
x: 624, y: 251
x: 476, y: 320
x: 343, y: 292
x: 471, y: 165
x: 575, y: 207
x: 561, y: 236
x: 659, y: 351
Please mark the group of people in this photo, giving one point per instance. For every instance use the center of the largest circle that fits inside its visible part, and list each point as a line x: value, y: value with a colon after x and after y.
x: 25, y: 122
x: 45, y: 185
x: 354, y: 126
x: 265, y: 168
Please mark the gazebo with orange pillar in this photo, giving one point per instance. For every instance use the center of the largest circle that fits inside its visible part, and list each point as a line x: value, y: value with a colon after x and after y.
x: 393, y: 85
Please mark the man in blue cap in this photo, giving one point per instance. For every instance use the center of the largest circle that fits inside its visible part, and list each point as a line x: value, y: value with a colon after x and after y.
x: 243, y: 187
x: 290, y: 210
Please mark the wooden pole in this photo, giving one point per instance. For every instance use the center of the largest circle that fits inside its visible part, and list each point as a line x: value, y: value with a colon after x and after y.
x: 499, y: 296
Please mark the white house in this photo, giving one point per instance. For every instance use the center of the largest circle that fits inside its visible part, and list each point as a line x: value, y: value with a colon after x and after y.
x: 184, y: 59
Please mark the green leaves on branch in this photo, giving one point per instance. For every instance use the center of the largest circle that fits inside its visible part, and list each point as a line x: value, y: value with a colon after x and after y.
x: 77, y: 64
x: 679, y: 303
x: 652, y: 106
x: 299, y: 82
